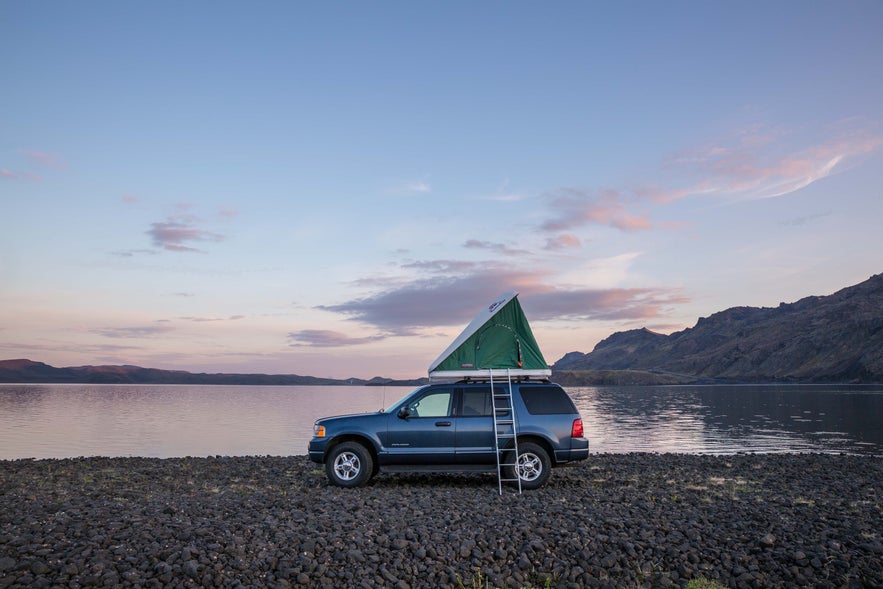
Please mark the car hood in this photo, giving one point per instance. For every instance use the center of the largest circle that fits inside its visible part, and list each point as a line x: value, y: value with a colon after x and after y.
x: 347, y: 416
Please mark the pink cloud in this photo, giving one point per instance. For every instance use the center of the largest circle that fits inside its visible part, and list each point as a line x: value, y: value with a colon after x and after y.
x: 9, y: 174
x: 43, y: 158
x: 563, y: 241
x: 172, y: 234
x: 755, y: 165
x: 575, y: 208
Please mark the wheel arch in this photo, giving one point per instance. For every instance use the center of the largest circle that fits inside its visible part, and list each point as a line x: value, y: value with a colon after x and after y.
x: 541, y: 442
x: 359, y: 439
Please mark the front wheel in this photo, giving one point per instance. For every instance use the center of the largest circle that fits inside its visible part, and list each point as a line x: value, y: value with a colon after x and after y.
x: 533, y: 466
x: 349, y: 465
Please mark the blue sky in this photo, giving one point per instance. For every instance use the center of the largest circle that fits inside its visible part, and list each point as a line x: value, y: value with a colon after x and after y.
x: 336, y: 189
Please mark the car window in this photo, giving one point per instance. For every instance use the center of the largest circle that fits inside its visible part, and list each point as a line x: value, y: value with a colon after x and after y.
x: 434, y: 404
x: 545, y: 400
x: 477, y: 402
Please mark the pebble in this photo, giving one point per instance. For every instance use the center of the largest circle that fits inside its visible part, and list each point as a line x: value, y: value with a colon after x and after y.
x: 637, y: 520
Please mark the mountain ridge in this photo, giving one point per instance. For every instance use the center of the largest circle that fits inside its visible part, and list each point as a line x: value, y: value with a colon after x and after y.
x: 833, y: 338
x: 29, y: 371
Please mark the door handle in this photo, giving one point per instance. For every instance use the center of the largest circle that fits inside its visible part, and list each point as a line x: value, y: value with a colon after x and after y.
x: 443, y: 423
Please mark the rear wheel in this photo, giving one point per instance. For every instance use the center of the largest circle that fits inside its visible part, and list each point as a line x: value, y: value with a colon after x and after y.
x: 349, y: 465
x: 533, y: 466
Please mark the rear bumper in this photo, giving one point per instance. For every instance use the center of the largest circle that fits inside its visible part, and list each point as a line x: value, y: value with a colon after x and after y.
x: 579, y: 450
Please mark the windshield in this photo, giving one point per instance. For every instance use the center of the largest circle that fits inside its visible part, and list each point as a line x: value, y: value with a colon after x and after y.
x: 398, y: 402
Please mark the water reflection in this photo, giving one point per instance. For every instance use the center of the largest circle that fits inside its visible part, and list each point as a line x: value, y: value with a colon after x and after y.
x: 729, y: 419
x: 56, y: 421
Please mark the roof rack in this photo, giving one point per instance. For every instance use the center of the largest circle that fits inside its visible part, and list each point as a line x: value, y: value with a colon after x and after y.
x: 481, y: 375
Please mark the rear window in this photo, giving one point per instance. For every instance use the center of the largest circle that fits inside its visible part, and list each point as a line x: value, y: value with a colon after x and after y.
x: 547, y: 400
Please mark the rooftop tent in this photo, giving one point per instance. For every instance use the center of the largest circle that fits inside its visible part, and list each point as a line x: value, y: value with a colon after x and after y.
x: 498, y: 342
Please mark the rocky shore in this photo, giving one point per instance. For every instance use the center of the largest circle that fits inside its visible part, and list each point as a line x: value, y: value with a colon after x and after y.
x: 630, y: 520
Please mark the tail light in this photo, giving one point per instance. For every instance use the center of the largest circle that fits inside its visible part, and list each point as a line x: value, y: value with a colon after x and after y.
x: 577, y: 430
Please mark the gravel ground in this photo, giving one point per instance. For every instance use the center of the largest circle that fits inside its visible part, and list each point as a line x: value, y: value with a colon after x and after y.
x: 627, y: 520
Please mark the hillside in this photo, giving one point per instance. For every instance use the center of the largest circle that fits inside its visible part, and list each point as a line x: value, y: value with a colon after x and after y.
x: 835, y: 338
x: 28, y: 371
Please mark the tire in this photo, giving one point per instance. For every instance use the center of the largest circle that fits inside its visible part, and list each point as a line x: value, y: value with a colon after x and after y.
x: 534, y: 466
x: 349, y: 465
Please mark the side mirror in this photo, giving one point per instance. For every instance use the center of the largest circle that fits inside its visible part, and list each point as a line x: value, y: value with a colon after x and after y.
x: 404, y: 412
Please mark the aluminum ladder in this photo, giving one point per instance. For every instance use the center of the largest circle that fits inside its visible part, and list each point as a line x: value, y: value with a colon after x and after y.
x: 505, y: 432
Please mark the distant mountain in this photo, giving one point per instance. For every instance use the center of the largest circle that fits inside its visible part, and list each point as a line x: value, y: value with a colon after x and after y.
x: 27, y: 371
x: 835, y: 338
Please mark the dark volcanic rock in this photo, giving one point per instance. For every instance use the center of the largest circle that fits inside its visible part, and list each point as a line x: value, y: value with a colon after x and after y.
x: 835, y: 338
x: 638, y: 520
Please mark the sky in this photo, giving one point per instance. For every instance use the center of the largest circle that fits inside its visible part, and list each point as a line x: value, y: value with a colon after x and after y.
x: 335, y: 189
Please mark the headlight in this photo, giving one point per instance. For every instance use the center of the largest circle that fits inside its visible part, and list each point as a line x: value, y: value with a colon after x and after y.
x: 319, y: 431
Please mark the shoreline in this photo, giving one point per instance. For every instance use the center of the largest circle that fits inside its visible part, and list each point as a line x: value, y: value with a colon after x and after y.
x: 655, y: 520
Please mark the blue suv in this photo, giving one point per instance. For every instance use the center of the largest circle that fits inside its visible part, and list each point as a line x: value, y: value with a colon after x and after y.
x: 450, y: 428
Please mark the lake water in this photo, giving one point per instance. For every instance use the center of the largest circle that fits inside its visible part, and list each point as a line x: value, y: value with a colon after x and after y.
x: 57, y: 421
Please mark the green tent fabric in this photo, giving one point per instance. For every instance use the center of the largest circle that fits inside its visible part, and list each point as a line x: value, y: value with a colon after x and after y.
x: 498, y: 338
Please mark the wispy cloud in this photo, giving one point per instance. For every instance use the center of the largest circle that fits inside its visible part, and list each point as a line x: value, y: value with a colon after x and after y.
x: 761, y: 164
x: 418, y: 187
x: 212, y: 319
x: 133, y: 252
x: 175, y: 232
x: 322, y: 338
x: 497, y: 248
x: 139, y: 331
x: 572, y: 208
x: 43, y: 158
x: 10, y: 175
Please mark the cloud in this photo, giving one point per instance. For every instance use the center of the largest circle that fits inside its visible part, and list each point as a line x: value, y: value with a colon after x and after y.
x: 212, y: 319
x: 800, y: 221
x: 133, y: 332
x: 449, y: 301
x: 173, y: 233
x: 42, y: 158
x: 563, y: 241
x: 419, y: 187
x: 498, y: 248
x: 573, y: 208
x: 322, y: 338
x: 756, y: 164
x: 133, y: 252
x: 10, y: 175
x: 442, y: 266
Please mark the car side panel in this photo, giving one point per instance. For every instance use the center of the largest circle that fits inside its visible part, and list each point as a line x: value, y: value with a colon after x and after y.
x: 475, y: 440
x: 420, y: 440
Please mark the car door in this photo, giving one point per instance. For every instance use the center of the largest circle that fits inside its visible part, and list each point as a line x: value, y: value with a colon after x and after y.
x: 425, y: 432
x: 475, y: 426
